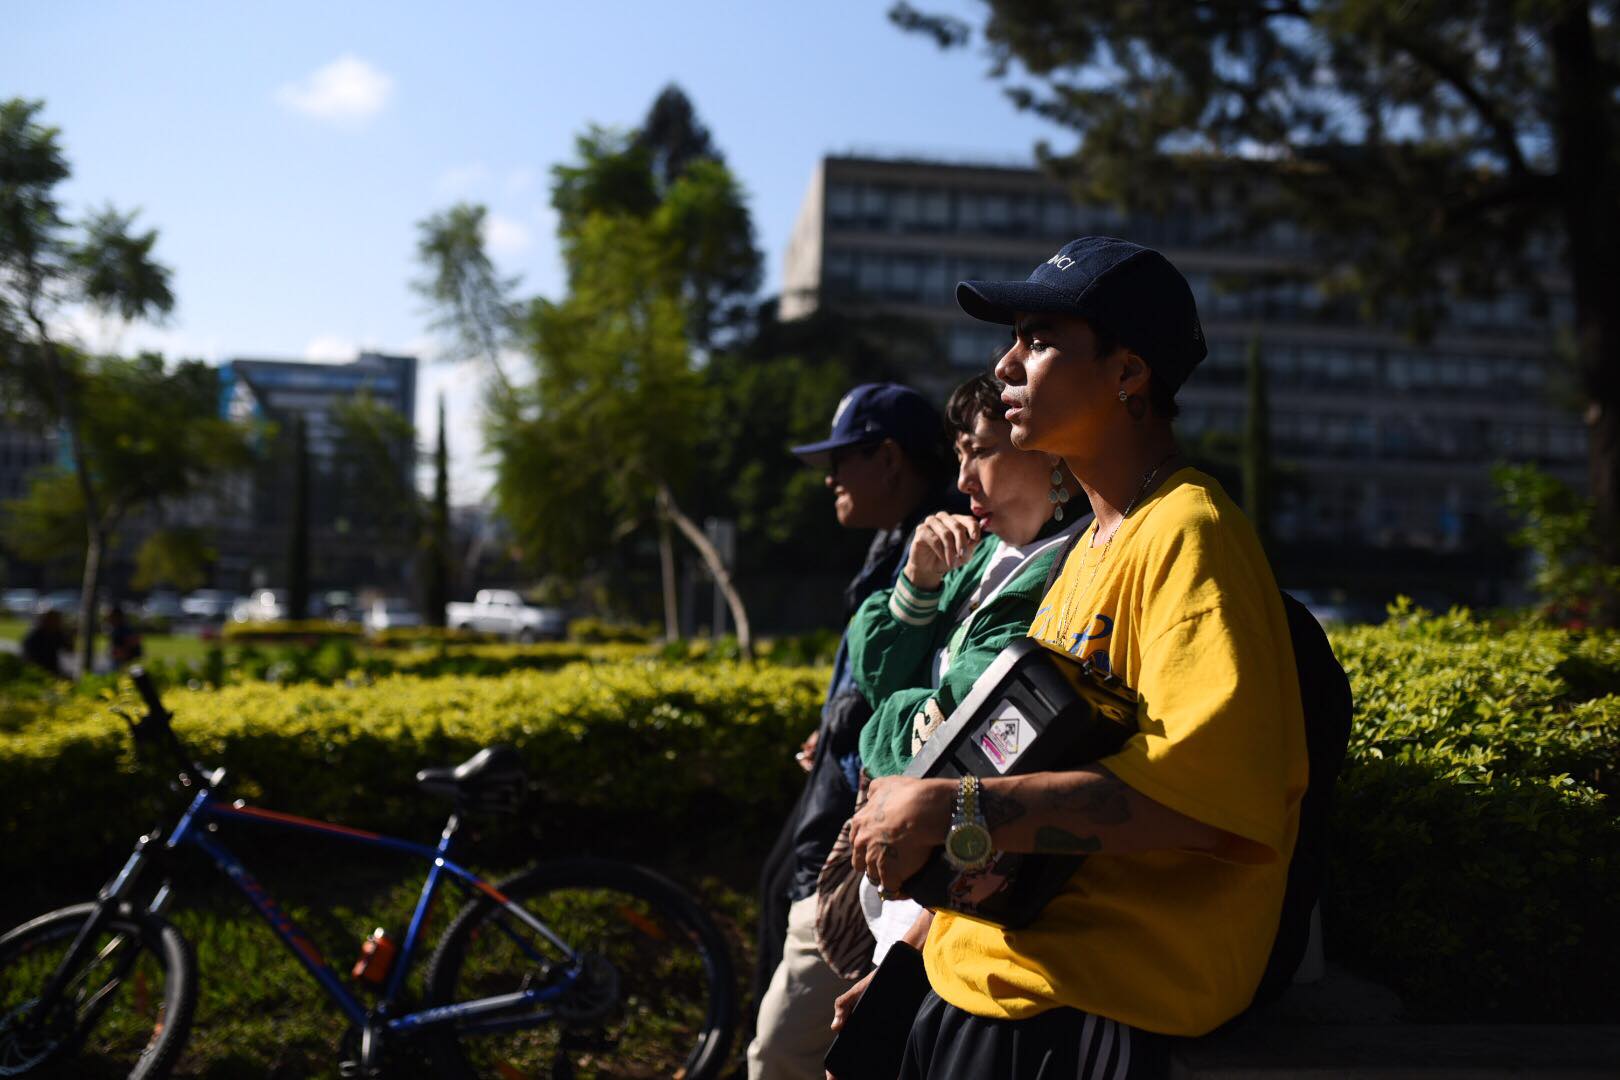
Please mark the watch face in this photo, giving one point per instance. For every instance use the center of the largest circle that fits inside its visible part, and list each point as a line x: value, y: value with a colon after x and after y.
x: 968, y: 845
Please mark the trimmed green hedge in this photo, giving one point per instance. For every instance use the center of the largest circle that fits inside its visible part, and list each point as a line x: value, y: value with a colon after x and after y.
x: 1477, y: 849
x: 632, y: 749
x: 309, y: 631
x: 1476, y: 865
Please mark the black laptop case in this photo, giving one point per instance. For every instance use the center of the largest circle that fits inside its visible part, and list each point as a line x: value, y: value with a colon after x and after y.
x: 1034, y: 709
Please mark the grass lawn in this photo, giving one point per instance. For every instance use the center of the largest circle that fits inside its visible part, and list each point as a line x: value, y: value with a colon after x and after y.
x: 186, y: 647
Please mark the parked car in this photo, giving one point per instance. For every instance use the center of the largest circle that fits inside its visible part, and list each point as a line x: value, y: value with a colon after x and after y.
x: 208, y: 605
x: 503, y: 612
x: 162, y: 605
x: 261, y: 605
x: 391, y: 613
x: 339, y: 605
x: 19, y: 601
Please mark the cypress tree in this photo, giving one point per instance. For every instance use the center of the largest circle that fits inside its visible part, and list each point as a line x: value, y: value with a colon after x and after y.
x: 298, y: 525
x: 436, y: 544
x: 1257, y: 447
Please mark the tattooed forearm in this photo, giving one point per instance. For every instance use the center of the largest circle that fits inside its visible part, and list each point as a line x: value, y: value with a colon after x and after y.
x: 999, y: 809
x: 1100, y: 801
x: 1054, y: 841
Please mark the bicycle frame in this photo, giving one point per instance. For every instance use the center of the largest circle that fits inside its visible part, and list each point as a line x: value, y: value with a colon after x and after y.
x: 486, y: 1014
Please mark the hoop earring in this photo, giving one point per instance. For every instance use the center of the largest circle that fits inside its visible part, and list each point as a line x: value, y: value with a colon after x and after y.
x: 1059, y: 494
x: 1123, y: 397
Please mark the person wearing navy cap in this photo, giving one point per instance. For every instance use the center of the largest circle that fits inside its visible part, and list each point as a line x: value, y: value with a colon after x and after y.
x: 885, y: 460
x: 1165, y: 928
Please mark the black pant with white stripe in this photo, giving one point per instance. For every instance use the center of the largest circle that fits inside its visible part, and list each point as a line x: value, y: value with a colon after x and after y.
x: 1060, y: 1044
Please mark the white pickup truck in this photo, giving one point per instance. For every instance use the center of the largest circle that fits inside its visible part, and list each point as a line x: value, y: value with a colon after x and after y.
x: 503, y: 612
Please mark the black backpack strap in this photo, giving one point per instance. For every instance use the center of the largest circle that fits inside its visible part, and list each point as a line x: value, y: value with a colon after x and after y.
x: 1056, y: 568
x: 1324, y: 692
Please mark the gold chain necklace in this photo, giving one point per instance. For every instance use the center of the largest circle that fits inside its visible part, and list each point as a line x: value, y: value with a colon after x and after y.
x: 1075, y: 595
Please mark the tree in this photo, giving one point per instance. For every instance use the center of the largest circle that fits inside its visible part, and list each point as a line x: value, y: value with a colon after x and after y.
x: 370, y: 482
x: 436, y: 537
x: 149, y: 435
x: 40, y: 267
x: 1424, y: 146
x: 1257, y: 447
x: 1575, y: 583
x: 670, y: 175
x: 659, y: 250
x: 178, y: 557
x: 473, y: 303
x: 298, y: 520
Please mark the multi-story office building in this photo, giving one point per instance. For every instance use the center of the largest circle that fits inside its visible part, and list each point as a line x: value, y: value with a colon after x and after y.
x: 355, y: 539
x: 1382, y: 445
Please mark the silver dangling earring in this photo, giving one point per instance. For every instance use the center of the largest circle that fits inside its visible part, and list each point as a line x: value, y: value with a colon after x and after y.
x: 1124, y: 397
x: 1059, y: 494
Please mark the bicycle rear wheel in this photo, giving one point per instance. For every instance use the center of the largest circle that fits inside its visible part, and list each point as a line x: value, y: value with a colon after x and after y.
x: 657, y: 998
x: 125, y: 1011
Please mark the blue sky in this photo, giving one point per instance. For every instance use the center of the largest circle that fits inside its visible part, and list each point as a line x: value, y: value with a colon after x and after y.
x: 285, y: 152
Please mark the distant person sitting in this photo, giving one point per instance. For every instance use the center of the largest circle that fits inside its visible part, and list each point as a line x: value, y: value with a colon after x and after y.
x: 45, y: 643
x: 123, y: 641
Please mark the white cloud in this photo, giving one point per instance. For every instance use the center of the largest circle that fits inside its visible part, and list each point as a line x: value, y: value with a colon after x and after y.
x: 347, y: 90
x: 461, y: 179
x: 331, y: 349
x: 519, y: 180
x: 84, y: 327
x: 506, y: 236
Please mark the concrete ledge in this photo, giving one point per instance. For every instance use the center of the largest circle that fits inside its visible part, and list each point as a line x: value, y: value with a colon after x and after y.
x: 1349, y: 1029
x: 1461, y: 1052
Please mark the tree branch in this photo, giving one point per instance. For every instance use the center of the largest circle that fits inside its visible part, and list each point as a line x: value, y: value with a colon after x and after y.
x: 1507, y: 136
x: 711, y: 558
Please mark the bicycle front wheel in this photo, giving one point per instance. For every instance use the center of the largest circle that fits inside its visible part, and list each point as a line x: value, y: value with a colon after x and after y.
x: 656, y: 998
x: 125, y: 1010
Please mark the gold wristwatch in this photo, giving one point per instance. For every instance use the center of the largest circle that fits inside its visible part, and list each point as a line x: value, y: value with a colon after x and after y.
x: 967, y: 844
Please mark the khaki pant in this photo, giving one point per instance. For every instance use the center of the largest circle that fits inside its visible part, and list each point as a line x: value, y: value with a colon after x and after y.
x: 793, y: 1031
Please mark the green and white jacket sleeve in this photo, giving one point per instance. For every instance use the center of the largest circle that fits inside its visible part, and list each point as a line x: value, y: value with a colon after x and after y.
x: 895, y: 633
x: 904, y: 718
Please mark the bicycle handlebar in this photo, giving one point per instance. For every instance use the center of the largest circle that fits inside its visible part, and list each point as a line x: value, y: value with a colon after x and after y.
x: 155, y: 725
x: 149, y: 692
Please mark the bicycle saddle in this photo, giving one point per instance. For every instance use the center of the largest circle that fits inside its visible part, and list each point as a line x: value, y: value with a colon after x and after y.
x: 492, y: 780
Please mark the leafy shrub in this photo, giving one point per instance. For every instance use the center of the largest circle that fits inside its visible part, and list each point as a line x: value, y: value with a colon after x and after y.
x: 1476, y: 861
x: 308, y: 631
x: 1577, y: 583
x: 411, y: 636
x: 631, y: 749
x: 814, y: 647
x: 1477, y: 852
x: 600, y: 631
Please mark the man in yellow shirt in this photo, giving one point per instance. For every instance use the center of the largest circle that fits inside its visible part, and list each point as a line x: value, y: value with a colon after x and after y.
x: 1166, y: 927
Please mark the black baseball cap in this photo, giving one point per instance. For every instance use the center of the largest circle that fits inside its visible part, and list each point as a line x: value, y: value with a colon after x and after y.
x: 871, y: 413
x: 1125, y: 288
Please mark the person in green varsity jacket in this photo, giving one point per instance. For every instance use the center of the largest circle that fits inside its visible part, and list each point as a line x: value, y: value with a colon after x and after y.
x: 970, y: 587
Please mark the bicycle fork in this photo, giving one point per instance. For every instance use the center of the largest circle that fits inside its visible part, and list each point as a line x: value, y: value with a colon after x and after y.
x: 113, y: 896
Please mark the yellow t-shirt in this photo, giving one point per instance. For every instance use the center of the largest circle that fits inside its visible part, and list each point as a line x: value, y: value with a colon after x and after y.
x: 1183, y: 607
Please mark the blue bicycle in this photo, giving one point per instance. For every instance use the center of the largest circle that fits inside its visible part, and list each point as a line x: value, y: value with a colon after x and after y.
x: 578, y: 967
